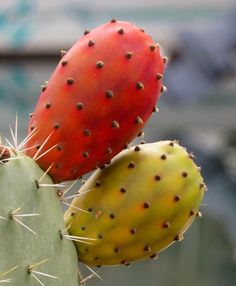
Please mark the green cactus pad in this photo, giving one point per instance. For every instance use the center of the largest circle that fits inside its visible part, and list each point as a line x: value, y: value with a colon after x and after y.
x: 33, y: 250
x: 138, y: 205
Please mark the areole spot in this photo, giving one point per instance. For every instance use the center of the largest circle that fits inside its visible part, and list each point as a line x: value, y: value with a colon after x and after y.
x: 137, y: 148
x: 163, y: 157
x: 98, y: 184
x: 152, y: 48
x: 80, y: 105
x: 31, y: 115
x: 70, y: 81
x: 139, y: 85
x: 141, y: 133
x: 155, y: 109
x: 86, y: 32
x: 177, y: 198
x: 56, y: 125
x: 99, y: 64
x: 163, y: 89
x: 131, y: 165
x: 178, y: 237
x: 63, y: 52
x: 64, y: 63
x: 123, y: 190
x: 184, y: 174
x: 128, y: 55
x: 85, y: 154
x: 166, y: 224
x: 133, y: 231
x: 154, y: 256
x: 198, y: 214
x: 48, y: 105
x: 157, y: 177
x: 147, y: 248
x: 171, y: 143
x: 115, y: 124
x: 121, y: 31
x: 165, y: 60
x: 91, y: 43
x: 146, y: 205
x: 112, y: 216
x: 43, y: 88
x: 113, y: 20
x: 138, y: 120
x: 159, y: 76
x: 100, y: 236
x: 192, y: 212
x: 59, y: 147
x: 116, y: 249
x: 109, y: 151
x: 109, y: 93
x: 142, y: 30
x: 87, y: 132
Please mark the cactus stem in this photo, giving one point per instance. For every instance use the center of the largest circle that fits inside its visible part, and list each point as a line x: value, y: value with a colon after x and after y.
x: 44, y: 174
x: 44, y: 274
x: 36, y: 157
x: 24, y: 225
x: 81, y: 239
x: 93, y: 272
x: 27, y: 138
x: 5, y: 273
x: 74, y: 207
x: 76, y: 195
x: 63, y: 52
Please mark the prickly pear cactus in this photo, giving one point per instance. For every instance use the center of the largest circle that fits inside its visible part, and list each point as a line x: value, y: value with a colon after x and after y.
x: 33, y: 245
x: 137, y: 206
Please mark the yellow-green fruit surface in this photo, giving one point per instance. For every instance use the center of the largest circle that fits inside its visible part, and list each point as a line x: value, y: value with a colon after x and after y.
x: 137, y: 206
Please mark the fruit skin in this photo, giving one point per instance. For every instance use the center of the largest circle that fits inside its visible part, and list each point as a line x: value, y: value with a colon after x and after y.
x: 21, y: 248
x: 138, y: 205
x: 101, y: 94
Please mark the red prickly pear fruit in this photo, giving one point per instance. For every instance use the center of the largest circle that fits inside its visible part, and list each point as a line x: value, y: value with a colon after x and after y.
x: 98, y: 99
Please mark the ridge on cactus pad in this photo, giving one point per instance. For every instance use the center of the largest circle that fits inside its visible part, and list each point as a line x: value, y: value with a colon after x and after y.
x: 33, y: 250
x: 138, y: 205
x: 97, y: 101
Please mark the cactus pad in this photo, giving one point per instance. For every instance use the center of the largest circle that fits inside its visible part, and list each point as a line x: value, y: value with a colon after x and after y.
x: 32, y: 248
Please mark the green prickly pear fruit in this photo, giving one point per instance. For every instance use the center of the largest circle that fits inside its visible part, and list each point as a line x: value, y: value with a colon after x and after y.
x: 33, y: 245
x: 137, y: 206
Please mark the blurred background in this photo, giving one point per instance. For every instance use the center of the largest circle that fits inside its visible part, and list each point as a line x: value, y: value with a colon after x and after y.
x: 199, y: 109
